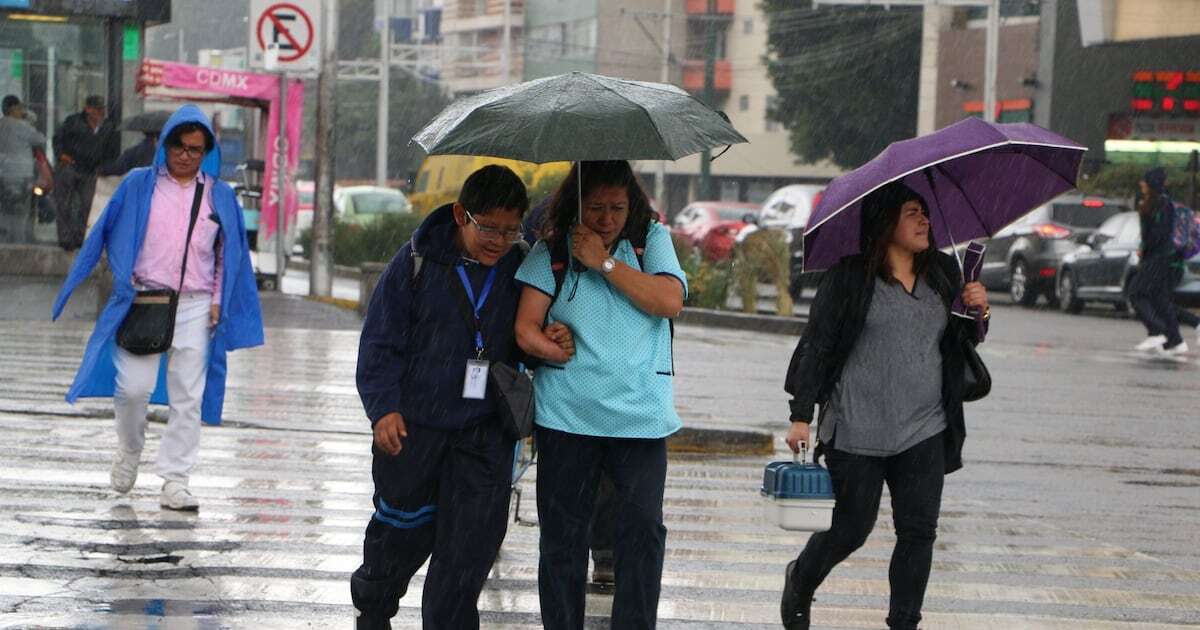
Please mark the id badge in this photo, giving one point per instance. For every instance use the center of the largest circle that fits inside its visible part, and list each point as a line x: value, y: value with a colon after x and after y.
x: 475, y: 383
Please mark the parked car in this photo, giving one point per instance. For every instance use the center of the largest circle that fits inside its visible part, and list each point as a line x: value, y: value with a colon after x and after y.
x: 718, y: 242
x: 799, y: 195
x: 697, y: 218
x: 305, y: 194
x: 790, y: 206
x: 1101, y: 267
x: 1024, y: 258
x: 364, y: 204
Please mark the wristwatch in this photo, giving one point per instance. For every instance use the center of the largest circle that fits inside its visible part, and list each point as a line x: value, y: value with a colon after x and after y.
x: 609, y: 264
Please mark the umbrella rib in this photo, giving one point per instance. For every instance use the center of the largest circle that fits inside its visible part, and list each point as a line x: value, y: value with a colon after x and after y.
x: 970, y: 203
x: 942, y: 211
x: 657, y: 132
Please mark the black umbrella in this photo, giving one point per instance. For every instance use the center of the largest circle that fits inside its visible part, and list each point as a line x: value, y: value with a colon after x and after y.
x: 149, y: 122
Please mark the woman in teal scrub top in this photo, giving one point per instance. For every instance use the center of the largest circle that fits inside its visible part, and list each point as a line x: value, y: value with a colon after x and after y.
x: 610, y: 406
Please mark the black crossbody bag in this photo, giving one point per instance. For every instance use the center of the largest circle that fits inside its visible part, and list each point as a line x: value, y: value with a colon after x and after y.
x: 149, y: 326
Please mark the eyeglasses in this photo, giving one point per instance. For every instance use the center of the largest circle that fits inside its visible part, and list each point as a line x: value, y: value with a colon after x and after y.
x: 494, y: 235
x: 193, y: 152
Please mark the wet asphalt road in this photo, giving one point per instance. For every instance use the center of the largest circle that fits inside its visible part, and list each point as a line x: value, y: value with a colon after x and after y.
x: 1079, y: 507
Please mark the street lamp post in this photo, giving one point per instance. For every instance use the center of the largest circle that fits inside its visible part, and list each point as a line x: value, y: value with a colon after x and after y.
x: 385, y: 66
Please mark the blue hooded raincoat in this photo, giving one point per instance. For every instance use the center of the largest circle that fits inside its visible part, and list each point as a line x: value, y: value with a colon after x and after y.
x: 119, y: 232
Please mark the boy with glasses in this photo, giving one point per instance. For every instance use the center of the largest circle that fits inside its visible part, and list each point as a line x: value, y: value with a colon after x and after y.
x: 442, y: 313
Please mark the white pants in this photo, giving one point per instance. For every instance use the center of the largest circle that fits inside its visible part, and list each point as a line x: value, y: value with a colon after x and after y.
x: 187, y: 369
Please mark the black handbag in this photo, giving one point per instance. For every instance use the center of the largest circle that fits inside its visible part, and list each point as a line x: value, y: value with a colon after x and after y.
x: 514, y: 395
x: 149, y: 326
x: 977, y: 381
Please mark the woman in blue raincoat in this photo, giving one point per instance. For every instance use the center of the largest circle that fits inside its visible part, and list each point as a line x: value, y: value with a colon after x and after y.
x: 143, y: 232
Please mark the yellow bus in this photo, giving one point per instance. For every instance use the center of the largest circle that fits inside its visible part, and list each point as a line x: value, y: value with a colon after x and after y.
x: 440, y: 178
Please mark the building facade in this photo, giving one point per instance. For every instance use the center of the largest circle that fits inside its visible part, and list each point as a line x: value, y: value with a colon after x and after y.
x: 627, y: 39
x: 1121, y: 77
x: 484, y: 44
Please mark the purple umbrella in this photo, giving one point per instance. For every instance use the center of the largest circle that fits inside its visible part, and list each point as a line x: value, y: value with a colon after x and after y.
x: 977, y: 177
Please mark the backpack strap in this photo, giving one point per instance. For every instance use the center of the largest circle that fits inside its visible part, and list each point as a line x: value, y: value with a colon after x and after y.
x: 417, y: 261
x: 560, y: 261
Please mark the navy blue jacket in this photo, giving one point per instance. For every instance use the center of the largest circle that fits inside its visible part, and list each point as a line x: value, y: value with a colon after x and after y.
x: 416, y: 339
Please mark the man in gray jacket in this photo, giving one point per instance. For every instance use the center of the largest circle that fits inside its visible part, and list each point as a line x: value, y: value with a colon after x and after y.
x: 18, y: 139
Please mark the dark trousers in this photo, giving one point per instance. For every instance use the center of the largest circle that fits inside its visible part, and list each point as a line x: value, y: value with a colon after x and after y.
x: 446, y: 494
x: 915, y: 479
x: 73, y: 192
x: 1185, y: 317
x: 604, y: 522
x: 1152, y: 299
x: 16, y: 210
x: 568, y: 473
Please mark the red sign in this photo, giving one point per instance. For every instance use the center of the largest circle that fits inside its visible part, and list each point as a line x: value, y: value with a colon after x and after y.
x: 287, y: 26
x: 1166, y: 92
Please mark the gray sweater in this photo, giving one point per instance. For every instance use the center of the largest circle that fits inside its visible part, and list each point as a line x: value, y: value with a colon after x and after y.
x: 17, y: 140
x: 889, y: 397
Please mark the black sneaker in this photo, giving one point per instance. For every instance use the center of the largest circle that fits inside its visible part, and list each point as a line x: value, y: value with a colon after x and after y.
x: 602, y: 572
x: 794, y: 610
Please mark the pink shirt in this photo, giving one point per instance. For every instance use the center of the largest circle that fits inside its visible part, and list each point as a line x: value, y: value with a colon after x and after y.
x: 161, y: 256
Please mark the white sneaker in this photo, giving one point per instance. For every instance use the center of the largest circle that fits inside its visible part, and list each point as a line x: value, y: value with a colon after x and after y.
x: 124, y: 470
x: 176, y: 496
x: 1176, y: 351
x: 1151, y: 342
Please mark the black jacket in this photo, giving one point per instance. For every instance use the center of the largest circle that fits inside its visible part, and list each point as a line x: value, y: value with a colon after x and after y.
x: 89, y: 149
x: 1157, y: 227
x: 140, y: 154
x: 416, y: 339
x: 836, y: 320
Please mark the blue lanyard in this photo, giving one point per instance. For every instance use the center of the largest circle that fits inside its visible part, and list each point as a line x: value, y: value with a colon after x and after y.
x: 477, y: 305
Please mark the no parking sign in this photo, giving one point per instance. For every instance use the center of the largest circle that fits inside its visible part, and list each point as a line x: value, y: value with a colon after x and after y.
x: 292, y: 26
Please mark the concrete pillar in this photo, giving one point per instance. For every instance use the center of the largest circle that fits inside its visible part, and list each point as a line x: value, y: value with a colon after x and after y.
x: 935, y: 18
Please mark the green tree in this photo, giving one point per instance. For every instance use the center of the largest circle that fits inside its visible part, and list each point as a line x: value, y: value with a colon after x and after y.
x: 845, y: 77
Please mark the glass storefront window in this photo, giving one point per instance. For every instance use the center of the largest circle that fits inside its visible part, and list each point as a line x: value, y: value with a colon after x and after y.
x: 52, y: 65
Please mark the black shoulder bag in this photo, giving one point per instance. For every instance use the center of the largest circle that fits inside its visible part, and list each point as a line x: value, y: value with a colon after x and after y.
x: 977, y: 381
x: 149, y: 326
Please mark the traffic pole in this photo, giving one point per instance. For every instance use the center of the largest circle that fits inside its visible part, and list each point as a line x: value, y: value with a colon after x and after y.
x: 385, y: 71
x: 320, y: 279
x: 281, y: 163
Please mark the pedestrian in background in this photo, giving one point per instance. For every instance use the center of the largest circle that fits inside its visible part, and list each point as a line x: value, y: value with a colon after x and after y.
x: 84, y: 141
x: 882, y: 357
x: 609, y: 409
x: 1151, y: 291
x: 138, y: 155
x: 147, y: 234
x: 441, y: 314
x: 19, y: 142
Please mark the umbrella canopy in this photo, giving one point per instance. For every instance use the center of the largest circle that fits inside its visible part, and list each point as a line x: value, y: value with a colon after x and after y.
x: 149, y: 122
x: 977, y: 177
x: 578, y: 116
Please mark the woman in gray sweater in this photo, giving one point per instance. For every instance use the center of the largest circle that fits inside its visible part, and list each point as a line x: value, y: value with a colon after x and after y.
x: 882, y: 357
